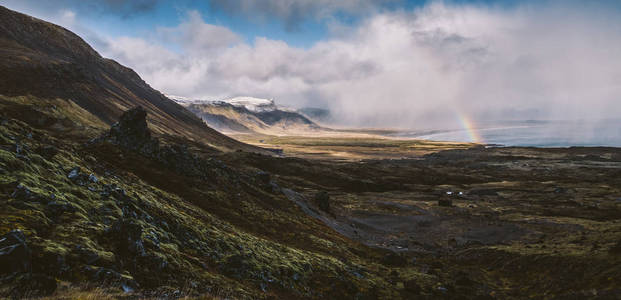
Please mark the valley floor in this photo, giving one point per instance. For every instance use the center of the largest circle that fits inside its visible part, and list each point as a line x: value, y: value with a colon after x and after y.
x: 345, y: 146
x: 526, y: 222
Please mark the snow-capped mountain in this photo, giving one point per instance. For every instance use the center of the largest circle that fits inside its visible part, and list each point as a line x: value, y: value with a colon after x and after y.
x: 182, y: 100
x: 250, y: 103
x: 247, y: 114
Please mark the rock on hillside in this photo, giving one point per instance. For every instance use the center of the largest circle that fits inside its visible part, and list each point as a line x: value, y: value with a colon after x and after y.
x: 132, y: 131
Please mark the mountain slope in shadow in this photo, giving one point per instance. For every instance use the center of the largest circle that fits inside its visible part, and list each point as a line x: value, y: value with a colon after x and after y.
x: 46, y: 61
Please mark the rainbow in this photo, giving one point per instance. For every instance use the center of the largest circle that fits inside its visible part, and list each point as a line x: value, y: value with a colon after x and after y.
x: 470, y: 128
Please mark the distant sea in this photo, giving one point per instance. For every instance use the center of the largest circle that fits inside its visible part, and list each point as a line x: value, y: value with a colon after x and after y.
x: 536, y: 134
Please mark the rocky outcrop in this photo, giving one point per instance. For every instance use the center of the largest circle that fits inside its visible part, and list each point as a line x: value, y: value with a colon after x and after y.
x: 132, y: 132
x: 15, y: 256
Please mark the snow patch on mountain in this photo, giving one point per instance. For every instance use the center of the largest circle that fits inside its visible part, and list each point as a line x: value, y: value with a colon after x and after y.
x: 182, y: 100
x: 250, y: 103
x: 253, y: 104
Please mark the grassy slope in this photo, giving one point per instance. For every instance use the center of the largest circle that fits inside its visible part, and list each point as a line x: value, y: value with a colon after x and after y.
x: 227, y: 235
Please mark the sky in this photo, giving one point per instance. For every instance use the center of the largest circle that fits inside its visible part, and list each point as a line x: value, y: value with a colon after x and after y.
x: 373, y: 63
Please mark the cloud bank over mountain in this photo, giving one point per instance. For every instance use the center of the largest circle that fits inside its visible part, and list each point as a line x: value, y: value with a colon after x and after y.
x: 412, y: 68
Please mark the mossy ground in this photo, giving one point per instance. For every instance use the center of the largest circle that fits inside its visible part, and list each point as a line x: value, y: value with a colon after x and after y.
x: 227, y: 236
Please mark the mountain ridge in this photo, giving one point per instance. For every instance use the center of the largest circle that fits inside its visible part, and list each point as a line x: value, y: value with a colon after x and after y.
x: 250, y: 115
x: 48, y: 61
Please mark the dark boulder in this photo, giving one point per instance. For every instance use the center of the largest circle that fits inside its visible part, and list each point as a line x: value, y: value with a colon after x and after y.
x: 74, y: 173
x: 238, y: 266
x: 15, y: 255
x: 76, y: 176
x: 21, y: 192
x: 55, y: 209
x: 86, y: 255
x: 322, y: 199
x: 23, y: 198
x: 20, y: 149
x: 48, y: 262
x: 128, y: 236
x: 132, y: 132
x: 92, y: 178
x: 112, y: 190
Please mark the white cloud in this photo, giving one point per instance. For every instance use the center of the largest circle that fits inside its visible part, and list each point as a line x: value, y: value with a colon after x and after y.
x: 406, y: 68
x: 195, y: 35
x: 67, y: 17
